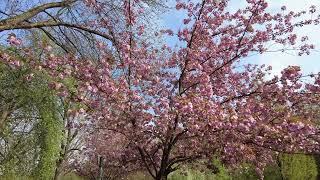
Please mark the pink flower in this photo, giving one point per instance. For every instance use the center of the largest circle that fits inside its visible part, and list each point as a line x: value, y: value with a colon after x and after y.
x: 13, y: 40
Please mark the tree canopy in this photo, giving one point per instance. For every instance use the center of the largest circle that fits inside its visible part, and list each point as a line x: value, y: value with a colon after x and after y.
x: 145, y: 105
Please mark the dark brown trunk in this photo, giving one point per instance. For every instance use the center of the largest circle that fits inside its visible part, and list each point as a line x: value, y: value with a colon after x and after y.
x: 162, y: 174
x: 56, y: 174
x: 162, y: 177
x: 100, y: 161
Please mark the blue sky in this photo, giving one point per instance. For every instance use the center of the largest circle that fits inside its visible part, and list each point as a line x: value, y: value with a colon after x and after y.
x: 311, y: 63
x: 308, y: 64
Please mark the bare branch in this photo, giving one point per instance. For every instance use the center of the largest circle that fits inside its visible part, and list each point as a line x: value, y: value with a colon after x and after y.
x: 33, y: 12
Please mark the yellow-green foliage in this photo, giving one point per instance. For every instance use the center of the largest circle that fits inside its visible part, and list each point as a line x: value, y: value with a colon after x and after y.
x: 139, y: 176
x: 294, y: 167
x: 194, y: 174
x: 50, y: 138
x: 15, y: 177
x: 71, y: 176
x: 272, y: 172
x: 32, y: 97
x: 298, y: 167
x: 247, y: 172
x: 189, y: 174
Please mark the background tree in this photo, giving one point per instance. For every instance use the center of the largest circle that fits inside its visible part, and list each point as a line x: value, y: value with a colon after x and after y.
x: 38, y: 138
x: 30, y: 131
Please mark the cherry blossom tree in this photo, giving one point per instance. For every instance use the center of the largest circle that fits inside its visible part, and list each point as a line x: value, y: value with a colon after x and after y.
x: 172, y: 106
x: 114, y: 162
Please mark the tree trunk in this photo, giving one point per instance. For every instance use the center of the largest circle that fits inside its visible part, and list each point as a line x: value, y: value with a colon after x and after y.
x: 100, y: 161
x: 56, y: 174
x: 162, y: 174
x: 162, y: 177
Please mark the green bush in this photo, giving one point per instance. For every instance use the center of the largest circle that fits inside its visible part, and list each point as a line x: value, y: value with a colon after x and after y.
x: 293, y: 167
x: 298, y: 167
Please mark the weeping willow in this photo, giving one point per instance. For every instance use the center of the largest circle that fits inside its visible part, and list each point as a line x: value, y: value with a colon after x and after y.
x: 50, y: 134
x: 31, y: 134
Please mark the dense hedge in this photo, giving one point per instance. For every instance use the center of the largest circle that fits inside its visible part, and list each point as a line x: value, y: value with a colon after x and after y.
x: 298, y: 167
